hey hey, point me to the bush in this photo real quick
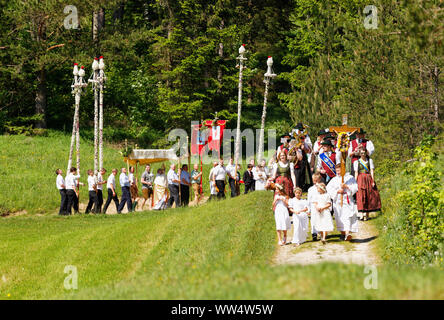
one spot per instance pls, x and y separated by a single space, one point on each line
414 228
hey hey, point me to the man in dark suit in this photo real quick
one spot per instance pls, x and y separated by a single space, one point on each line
248 179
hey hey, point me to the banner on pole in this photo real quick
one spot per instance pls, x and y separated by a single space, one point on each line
216 133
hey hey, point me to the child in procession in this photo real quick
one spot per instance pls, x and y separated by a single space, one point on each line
280 208
299 208
322 204
312 192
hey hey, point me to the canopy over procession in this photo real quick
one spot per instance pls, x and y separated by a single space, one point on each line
313 183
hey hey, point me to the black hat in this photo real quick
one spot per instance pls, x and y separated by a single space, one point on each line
362 131
329 136
299 126
327 143
287 136
321 132
353 136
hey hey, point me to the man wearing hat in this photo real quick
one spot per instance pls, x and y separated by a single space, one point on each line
327 161
358 144
317 149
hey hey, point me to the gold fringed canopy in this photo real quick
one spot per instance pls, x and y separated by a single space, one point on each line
148 156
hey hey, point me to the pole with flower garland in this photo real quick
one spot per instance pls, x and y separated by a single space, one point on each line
237 146
77 90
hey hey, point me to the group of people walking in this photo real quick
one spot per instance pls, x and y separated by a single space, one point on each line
298 166
326 192
69 190
159 191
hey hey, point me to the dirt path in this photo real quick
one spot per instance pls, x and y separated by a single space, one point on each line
360 250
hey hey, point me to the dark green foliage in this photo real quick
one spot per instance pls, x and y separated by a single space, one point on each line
168 62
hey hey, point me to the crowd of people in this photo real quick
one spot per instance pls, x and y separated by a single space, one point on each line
297 166
302 166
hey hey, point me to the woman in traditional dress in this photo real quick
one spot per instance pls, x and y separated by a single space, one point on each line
280 208
367 197
299 208
160 191
321 215
283 174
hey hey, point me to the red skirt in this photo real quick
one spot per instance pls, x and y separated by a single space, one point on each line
287 184
367 197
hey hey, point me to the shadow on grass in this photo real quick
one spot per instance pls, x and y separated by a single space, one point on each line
363 240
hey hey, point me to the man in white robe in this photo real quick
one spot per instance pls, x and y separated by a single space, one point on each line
345 215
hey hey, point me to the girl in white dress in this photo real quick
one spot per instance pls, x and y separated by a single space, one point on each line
280 205
323 220
299 207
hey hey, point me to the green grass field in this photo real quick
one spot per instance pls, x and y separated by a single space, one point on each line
219 250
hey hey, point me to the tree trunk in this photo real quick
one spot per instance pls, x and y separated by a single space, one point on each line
40 98
221 56
98 23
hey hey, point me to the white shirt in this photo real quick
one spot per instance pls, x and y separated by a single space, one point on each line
91 183
124 180
230 170
111 182
131 178
311 195
210 176
59 182
219 173
368 163
99 179
71 181
317 148
172 175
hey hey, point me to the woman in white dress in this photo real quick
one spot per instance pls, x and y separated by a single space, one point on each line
280 205
299 208
260 178
323 220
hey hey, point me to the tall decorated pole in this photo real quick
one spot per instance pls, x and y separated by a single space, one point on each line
101 79
76 110
241 59
94 76
268 76
77 87
82 84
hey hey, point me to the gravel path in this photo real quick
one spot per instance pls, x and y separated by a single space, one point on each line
360 250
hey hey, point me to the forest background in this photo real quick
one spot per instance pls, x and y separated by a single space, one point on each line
170 62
